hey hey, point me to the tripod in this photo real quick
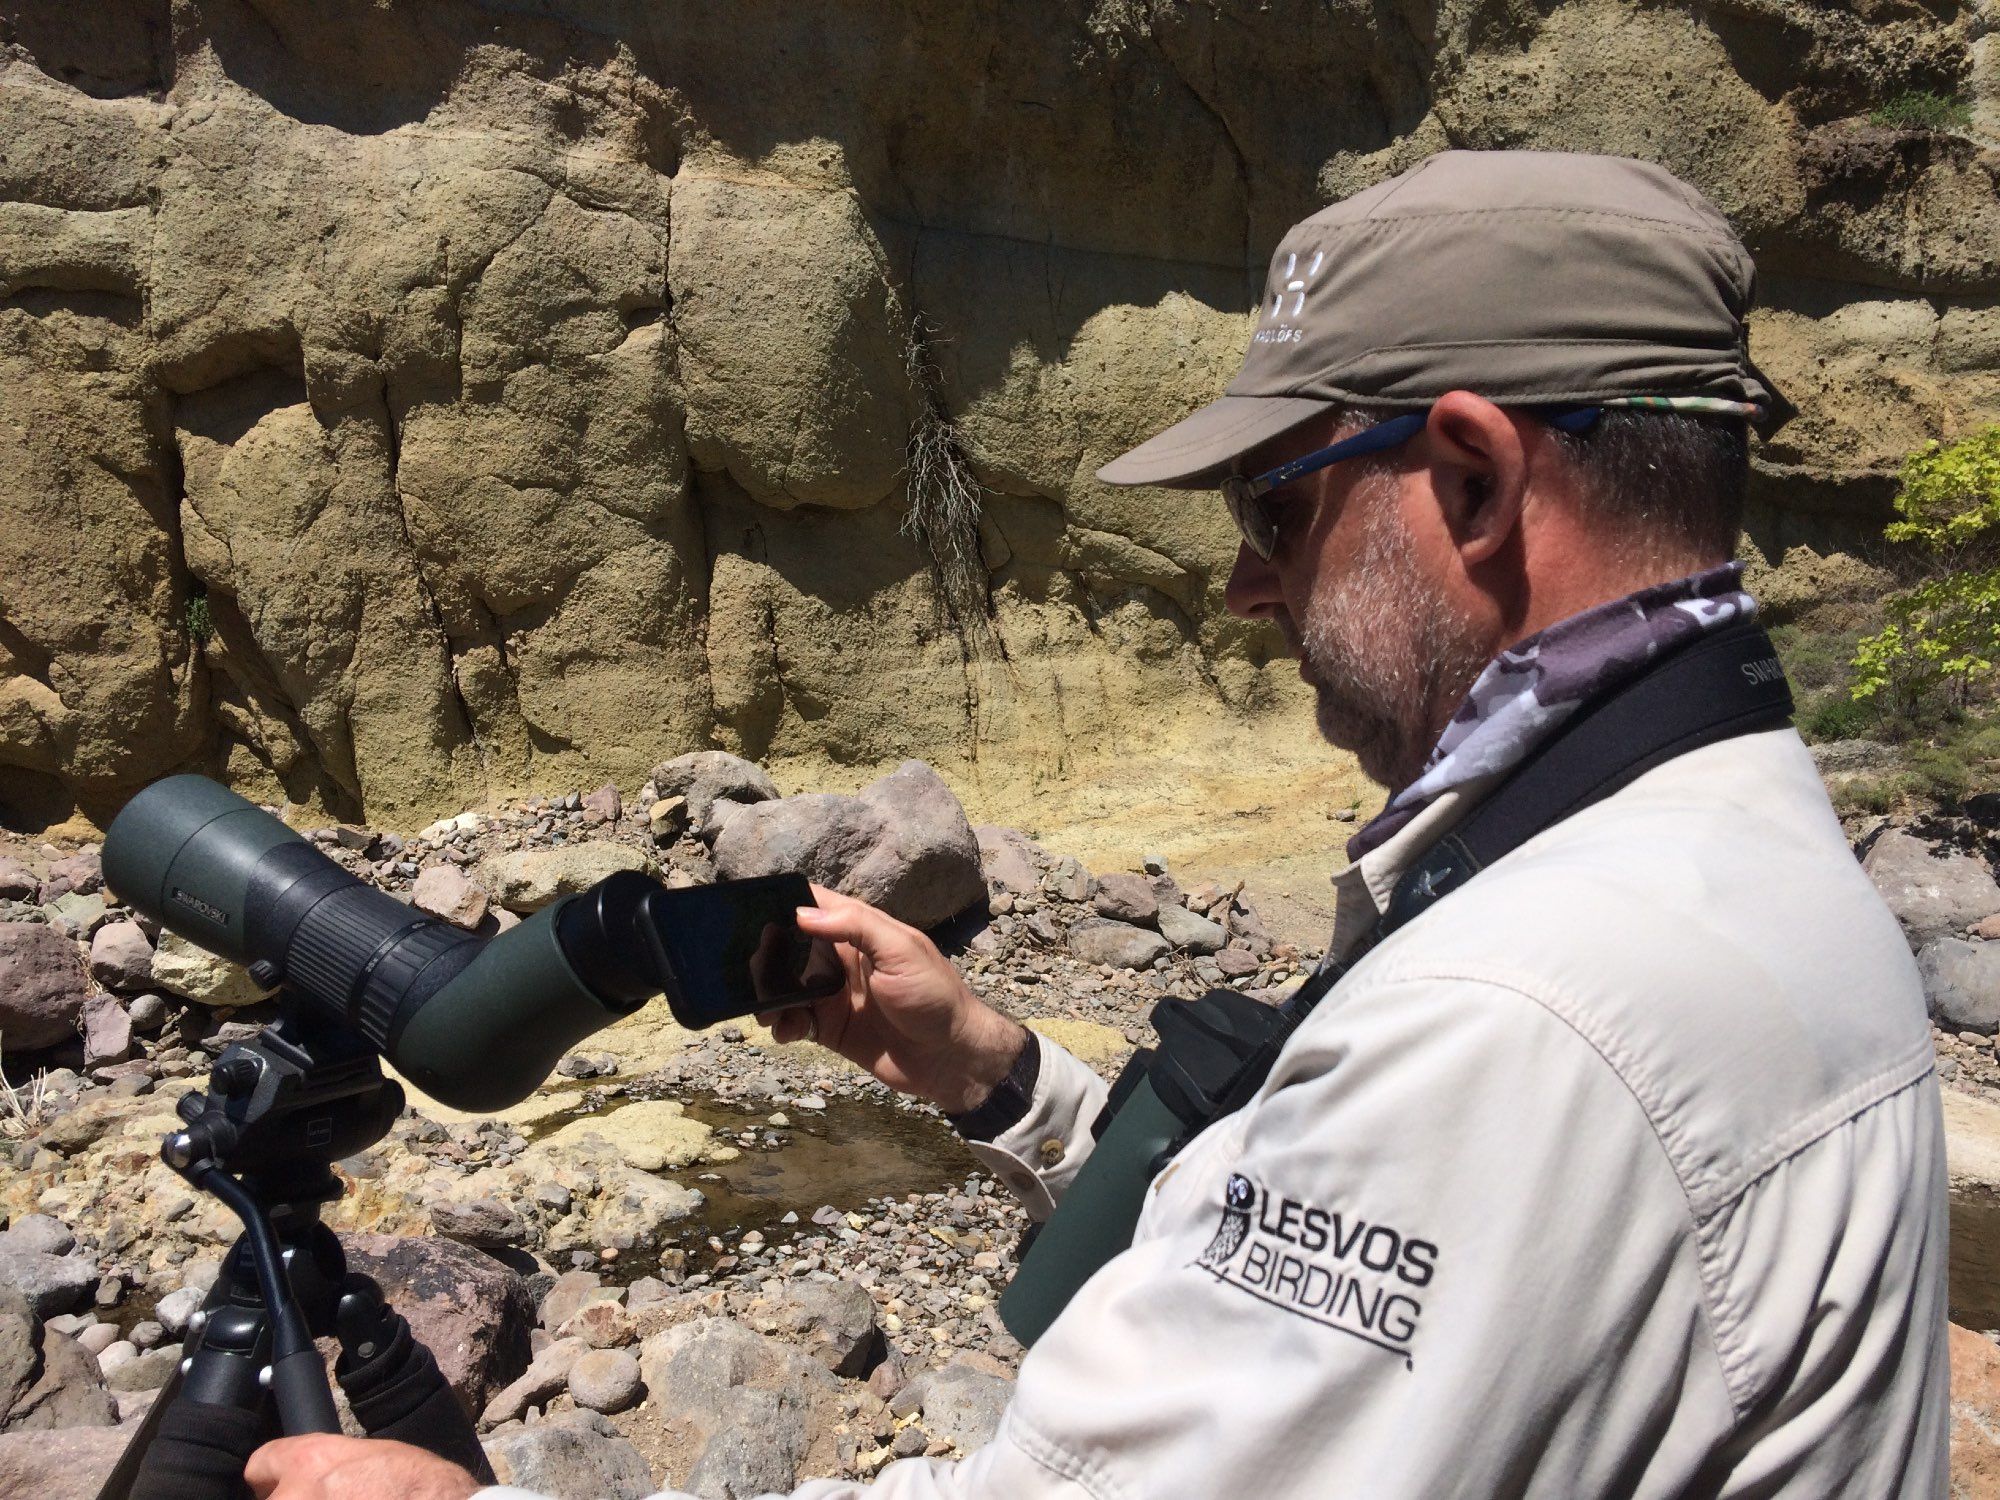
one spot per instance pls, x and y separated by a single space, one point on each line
279 1111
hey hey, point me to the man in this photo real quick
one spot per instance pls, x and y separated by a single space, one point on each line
1619 1171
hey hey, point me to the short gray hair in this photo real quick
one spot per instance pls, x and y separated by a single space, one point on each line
1674 480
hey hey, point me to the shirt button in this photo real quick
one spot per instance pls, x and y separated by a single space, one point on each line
1051 1152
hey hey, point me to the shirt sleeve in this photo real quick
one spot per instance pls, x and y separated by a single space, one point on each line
1443 1254
1039 1155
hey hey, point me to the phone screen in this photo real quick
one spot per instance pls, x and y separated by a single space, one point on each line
734 948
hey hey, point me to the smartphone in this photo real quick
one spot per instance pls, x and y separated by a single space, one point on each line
734 948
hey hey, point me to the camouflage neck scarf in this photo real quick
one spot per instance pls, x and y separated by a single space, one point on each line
1534 685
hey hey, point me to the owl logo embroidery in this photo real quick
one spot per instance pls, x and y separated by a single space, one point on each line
1238 1198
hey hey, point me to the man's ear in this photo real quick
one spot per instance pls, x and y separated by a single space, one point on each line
1479 473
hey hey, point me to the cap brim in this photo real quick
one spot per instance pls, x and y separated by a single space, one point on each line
1199 450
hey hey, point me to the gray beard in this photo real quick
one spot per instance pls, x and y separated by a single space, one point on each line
1385 654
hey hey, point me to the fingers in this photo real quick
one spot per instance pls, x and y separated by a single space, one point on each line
846 920
302 1461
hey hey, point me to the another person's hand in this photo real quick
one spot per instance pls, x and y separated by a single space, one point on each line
324 1466
905 1014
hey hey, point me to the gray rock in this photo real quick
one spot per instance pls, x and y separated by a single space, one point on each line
17 881
606 1380
51 1283
121 957
145 1372
147 1013
47 1379
98 1337
1962 984
902 843
709 776
479 1221
744 1396
173 1310
575 1455
107 1032
545 1378
1099 940
443 891
1184 929
758 1457
1932 894
147 1334
67 1464
1007 859
1127 898
115 1356
78 915
960 1404
82 872
39 1232
834 1321
571 1290
1068 880
42 986
1236 963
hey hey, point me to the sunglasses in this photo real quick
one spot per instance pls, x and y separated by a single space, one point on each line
1256 513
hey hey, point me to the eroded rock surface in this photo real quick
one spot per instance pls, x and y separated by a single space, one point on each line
532 395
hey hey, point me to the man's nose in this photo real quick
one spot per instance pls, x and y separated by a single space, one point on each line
1253 591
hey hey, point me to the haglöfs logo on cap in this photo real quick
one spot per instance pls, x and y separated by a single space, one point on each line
1288 300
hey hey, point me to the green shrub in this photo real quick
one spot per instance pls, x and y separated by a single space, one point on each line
1837 718
1942 636
200 623
1920 109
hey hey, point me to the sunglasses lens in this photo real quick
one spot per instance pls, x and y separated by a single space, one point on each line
1252 518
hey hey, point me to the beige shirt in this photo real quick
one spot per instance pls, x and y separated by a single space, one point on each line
1620 1172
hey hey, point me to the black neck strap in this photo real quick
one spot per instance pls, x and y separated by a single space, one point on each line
1726 684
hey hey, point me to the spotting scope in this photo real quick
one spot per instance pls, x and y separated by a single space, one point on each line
475 1022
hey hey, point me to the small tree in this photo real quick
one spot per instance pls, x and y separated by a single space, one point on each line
1943 635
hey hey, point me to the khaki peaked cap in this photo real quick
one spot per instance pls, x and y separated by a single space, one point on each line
1530 277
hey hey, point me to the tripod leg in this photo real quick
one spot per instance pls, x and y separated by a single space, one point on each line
213 1413
393 1383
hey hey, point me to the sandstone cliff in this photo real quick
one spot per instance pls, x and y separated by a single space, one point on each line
404 403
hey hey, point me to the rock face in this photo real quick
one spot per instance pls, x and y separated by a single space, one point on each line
534 390
46 1379
903 843
69 1464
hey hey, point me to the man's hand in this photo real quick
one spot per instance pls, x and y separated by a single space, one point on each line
322 1466
905 1014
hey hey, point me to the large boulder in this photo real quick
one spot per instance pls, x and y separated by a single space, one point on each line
472 1312
51 1283
737 1396
47 1379
576 1455
42 986
833 1321
710 776
1127 898
959 1403
902 843
1932 894
69 1463
1009 859
529 879
1962 984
